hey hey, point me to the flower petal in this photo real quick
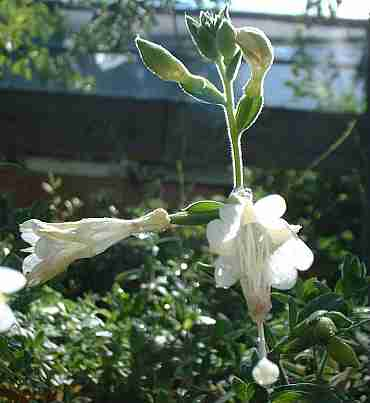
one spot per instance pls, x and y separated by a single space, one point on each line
270 207
300 253
283 275
293 255
11 280
226 274
7 318
265 372
220 236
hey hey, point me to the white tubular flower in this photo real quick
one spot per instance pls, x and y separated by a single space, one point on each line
10 281
257 247
265 373
54 246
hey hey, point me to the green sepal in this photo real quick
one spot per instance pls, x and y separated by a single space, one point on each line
198 213
247 112
161 62
203 206
185 218
233 67
203 90
225 41
342 352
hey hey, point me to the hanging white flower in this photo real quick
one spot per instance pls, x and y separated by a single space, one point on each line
258 248
261 250
54 246
11 281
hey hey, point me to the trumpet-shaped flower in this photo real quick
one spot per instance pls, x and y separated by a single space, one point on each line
54 246
261 250
258 248
10 281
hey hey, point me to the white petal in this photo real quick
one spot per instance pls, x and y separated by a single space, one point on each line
293 255
270 207
11 280
231 212
283 276
226 274
265 372
300 253
7 318
30 263
220 236
30 237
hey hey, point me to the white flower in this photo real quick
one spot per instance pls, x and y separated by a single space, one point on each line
258 248
54 246
10 281
265 372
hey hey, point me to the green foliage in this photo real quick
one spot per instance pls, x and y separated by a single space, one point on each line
143 322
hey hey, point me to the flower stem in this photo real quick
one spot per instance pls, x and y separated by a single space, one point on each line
261 340
232 129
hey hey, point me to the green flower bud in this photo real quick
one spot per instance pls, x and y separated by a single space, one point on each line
202 89
225 40
161 62
343 353
324 329
203 34
256 48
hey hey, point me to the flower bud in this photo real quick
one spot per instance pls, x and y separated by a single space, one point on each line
324 329
225 40
256 47
265 373
161 62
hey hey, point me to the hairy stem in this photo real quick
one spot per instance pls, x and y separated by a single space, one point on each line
232 129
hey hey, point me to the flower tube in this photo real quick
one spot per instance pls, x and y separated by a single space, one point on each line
54 246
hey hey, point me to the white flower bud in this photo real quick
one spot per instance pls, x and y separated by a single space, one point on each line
256 48
265 372
54 246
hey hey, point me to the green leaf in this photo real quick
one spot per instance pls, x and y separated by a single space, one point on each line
305 392
233 68
293 313
329 301
247 112
339 319
203 206
313 288
342 352
353 273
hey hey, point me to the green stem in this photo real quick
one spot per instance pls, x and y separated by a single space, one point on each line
233 134
322 365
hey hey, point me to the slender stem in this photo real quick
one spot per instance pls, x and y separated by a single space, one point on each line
234 138
261 340
322 365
